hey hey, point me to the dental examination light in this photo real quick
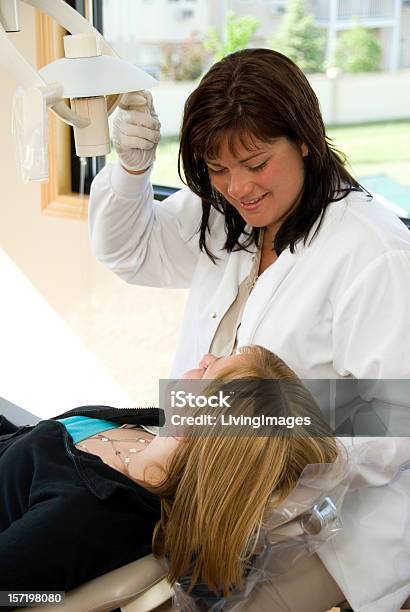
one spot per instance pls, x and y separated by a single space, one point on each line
91 75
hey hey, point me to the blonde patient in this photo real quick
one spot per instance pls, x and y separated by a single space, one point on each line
209 483
200 497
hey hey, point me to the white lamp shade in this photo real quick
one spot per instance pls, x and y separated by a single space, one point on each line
86 77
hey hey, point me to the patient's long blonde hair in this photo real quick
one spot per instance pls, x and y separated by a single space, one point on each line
218 487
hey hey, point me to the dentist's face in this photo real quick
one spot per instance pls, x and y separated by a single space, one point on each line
210 366
263 184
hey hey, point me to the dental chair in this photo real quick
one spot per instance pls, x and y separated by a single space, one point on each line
345 607
139 586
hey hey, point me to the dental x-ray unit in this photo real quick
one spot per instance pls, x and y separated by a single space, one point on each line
91 75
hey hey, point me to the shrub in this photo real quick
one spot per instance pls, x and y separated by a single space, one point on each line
358 50
300 39
238 31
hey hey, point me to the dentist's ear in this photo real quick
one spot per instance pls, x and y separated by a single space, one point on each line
304 149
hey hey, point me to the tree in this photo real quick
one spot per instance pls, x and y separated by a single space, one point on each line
238 30
358 50
182 61
300 39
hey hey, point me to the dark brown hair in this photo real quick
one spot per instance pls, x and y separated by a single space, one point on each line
259 94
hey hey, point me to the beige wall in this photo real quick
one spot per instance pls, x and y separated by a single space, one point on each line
110 317
360 98
353 98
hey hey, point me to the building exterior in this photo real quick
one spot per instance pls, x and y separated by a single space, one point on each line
142 29
383 16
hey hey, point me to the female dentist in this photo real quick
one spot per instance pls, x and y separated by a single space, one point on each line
278 243
279 246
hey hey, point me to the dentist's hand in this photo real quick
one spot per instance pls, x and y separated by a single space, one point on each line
136 131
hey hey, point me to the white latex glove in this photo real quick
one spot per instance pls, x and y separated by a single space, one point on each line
136 130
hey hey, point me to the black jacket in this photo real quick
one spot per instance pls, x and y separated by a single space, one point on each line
74 517
92 471
103 484
148 416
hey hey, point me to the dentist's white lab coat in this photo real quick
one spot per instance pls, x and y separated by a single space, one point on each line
338 307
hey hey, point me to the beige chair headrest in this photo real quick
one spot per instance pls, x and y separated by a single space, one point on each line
111 590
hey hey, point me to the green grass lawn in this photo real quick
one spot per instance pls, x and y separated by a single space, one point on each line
371 148
376 148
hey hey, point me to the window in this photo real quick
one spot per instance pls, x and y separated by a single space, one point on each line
169 49
359 119
375 144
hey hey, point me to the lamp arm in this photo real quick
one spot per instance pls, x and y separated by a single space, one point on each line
16 65
24 73
31 100
74 23
70 19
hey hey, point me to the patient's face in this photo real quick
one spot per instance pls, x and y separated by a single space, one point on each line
210 366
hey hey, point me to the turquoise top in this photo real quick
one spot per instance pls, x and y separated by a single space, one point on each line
81 427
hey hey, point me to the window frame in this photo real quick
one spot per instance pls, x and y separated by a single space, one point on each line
57 197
